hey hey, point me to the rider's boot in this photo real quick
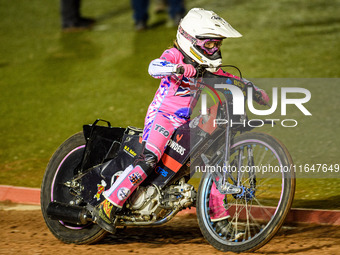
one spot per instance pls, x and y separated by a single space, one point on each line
219 215
218 206
125 185
130 179
122 188
103 215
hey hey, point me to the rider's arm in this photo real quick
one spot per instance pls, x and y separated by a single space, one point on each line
160 68
167 65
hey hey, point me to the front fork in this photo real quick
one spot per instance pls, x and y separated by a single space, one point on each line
220 177
236 186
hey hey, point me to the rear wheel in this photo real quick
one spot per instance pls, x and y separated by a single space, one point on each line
261 166
61 169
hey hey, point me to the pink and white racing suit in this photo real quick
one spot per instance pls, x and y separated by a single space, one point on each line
169 109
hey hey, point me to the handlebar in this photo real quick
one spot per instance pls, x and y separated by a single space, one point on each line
200 70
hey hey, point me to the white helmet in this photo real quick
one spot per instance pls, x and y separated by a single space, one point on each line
197 28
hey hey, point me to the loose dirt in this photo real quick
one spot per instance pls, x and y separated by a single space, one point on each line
24 232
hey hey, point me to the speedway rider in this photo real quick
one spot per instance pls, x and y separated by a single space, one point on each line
199 38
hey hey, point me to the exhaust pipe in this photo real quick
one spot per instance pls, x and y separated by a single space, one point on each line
68 213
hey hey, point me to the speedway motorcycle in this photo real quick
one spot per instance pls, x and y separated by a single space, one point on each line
217 152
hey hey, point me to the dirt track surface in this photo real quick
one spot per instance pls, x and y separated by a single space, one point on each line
24 232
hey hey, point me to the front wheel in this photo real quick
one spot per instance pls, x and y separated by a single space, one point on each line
61 169
261 166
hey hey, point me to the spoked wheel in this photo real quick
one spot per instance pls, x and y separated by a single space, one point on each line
262 167
61 169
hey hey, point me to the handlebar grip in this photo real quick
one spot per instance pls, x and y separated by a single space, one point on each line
180 70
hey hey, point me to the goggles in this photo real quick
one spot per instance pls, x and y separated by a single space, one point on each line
210 46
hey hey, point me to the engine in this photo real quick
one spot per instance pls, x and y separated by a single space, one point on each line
151 203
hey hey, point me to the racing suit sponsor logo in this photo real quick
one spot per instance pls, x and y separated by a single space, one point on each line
176 147
179 137
161 171
162 130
